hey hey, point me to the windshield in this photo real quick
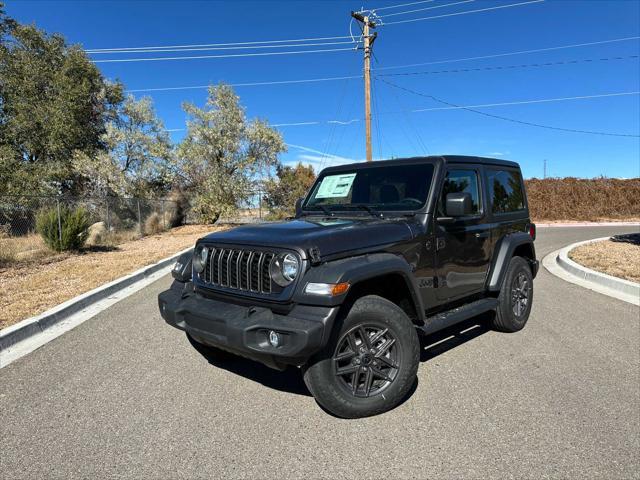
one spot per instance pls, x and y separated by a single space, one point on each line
401 187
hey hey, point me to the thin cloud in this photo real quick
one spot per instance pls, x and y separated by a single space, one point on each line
347 122
317 158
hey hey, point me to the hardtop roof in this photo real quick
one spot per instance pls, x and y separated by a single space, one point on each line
428 159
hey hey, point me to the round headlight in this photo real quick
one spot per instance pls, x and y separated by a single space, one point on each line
285 269
200 258
290 267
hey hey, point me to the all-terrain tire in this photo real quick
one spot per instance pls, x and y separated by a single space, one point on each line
517 286
387 339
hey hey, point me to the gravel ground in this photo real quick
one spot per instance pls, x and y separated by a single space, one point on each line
33 288
613 258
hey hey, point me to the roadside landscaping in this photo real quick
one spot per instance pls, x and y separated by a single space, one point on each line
44 281
619 257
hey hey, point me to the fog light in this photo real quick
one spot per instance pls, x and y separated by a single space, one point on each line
274 339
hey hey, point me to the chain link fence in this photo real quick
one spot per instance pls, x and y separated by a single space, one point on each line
113 220
250 210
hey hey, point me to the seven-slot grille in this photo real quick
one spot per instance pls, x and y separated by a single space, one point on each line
245 270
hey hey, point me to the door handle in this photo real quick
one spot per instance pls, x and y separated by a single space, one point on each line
482 235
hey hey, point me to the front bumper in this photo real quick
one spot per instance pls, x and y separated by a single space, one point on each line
245 330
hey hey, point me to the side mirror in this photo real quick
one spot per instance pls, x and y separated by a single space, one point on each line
299 206
459 204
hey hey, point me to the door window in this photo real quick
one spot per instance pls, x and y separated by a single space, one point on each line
458 181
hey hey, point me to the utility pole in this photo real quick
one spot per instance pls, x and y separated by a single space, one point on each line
545 169
368 43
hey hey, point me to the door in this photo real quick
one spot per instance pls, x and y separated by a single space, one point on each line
463 244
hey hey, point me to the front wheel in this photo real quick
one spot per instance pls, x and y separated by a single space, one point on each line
370 365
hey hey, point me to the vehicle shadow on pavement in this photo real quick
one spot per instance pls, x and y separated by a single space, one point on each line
289 380
441 342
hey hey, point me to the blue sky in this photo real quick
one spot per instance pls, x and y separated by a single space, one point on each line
399 130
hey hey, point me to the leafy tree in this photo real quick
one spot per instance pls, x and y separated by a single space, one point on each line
223 154
53 103
282 192
137 161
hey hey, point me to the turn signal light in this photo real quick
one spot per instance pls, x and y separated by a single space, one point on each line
328 289
339 288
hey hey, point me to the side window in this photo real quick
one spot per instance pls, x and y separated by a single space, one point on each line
506 190
460 181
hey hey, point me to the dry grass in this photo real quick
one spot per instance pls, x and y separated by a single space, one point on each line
26 291
23 249
613 258
596 199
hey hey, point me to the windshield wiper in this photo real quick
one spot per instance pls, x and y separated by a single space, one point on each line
363 206
326 210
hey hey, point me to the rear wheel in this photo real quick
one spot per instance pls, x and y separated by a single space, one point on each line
370 365
516 297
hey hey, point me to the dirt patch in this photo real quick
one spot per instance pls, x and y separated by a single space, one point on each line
31 288
618 258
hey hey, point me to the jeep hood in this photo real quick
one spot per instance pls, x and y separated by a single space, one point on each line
331 236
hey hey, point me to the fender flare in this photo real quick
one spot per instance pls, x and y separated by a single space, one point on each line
502 256
182 268
355 270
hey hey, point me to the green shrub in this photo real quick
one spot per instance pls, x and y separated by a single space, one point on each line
74 225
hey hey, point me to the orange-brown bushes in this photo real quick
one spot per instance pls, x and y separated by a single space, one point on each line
583 199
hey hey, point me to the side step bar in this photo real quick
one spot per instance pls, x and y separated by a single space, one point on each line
446 319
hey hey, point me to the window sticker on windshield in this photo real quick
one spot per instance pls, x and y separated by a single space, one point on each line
335 186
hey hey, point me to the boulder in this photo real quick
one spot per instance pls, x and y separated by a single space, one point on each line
97 234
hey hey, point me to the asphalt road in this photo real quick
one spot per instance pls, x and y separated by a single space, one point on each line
124 395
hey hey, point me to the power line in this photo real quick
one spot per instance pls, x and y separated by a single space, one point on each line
511 67
526 102
425 8
416 139
520 52
376 117
462 107
351 77
119 49
463 13
499 117
249 84
235 55
333 127
248 47
400 5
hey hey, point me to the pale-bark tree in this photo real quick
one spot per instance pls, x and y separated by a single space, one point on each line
223 155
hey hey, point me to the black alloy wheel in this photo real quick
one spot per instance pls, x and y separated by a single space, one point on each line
367 360
520 294
370 363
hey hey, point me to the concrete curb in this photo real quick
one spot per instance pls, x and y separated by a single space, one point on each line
587 224
37 325
559 264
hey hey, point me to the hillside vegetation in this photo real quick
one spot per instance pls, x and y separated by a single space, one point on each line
584 199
